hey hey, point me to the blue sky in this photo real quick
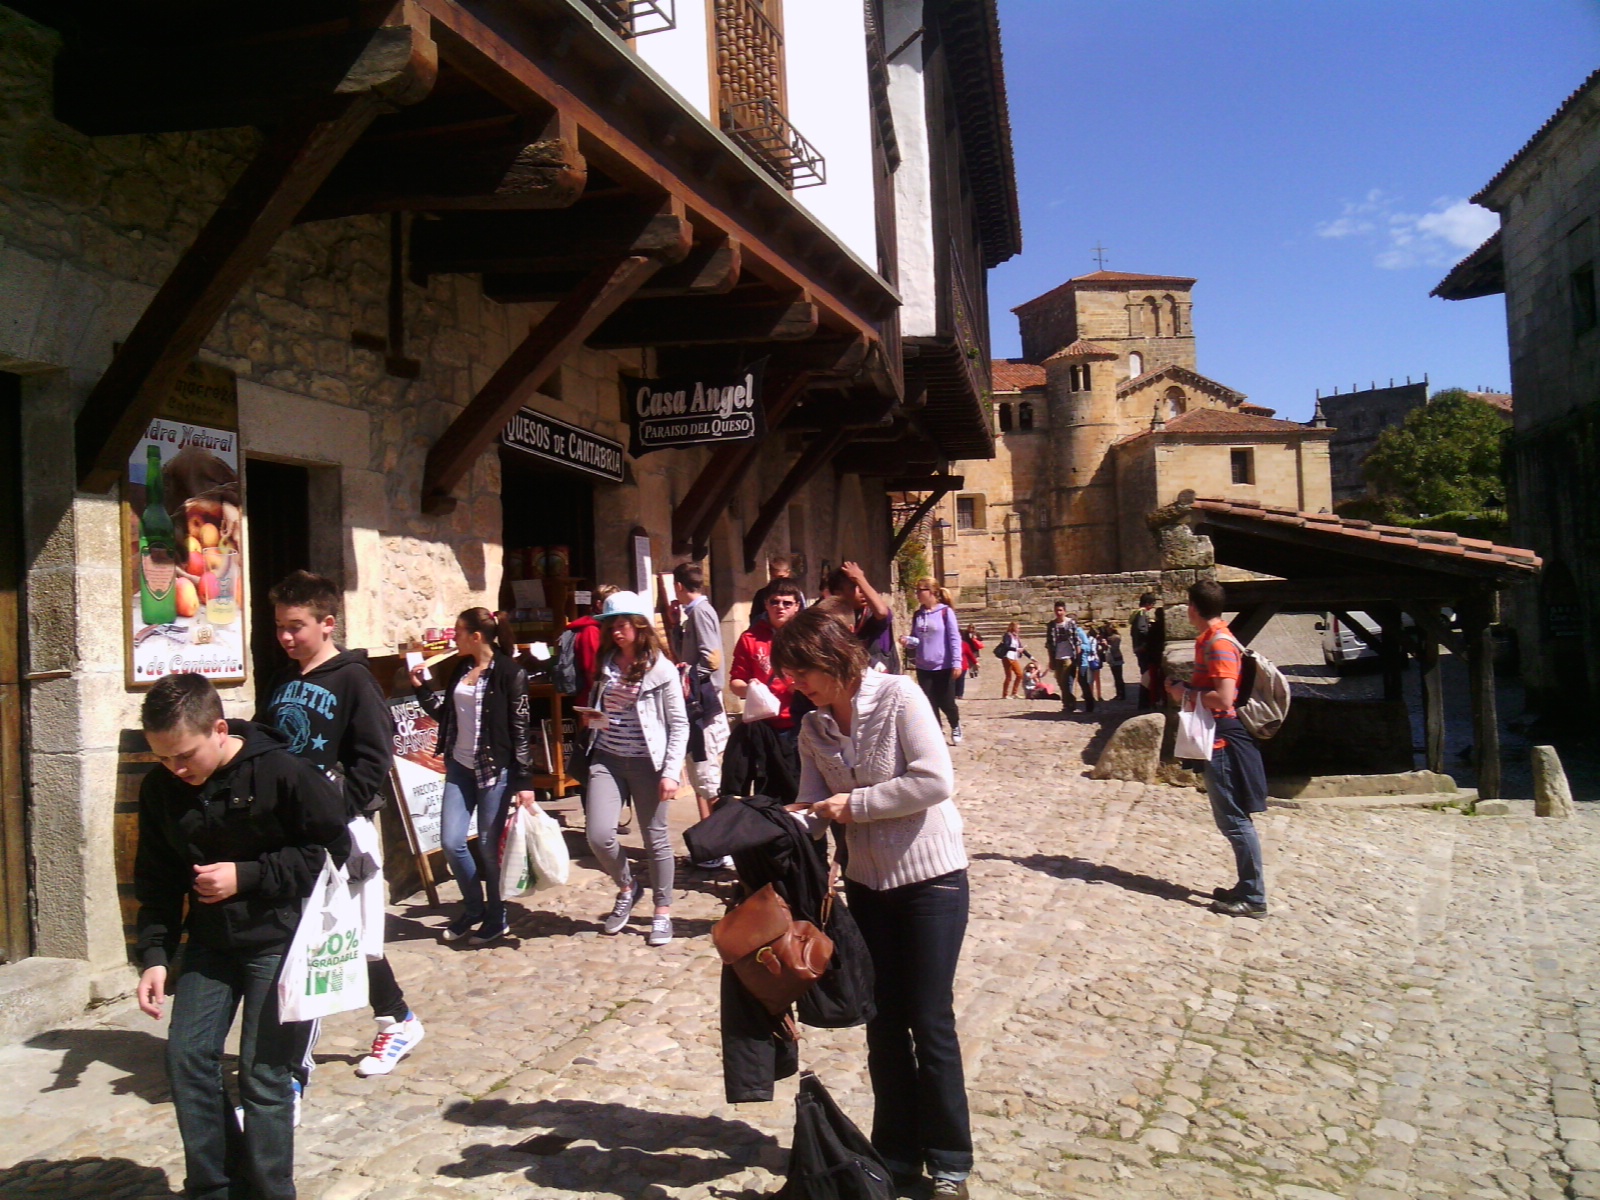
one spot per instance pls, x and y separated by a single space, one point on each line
1306 160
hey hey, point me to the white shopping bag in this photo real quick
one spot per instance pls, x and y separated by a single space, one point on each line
324 970
516 871
366 848
1197 730
547 848
760 703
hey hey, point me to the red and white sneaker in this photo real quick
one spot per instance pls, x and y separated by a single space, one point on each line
395 1040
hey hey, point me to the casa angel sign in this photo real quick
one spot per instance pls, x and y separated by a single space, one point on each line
665 414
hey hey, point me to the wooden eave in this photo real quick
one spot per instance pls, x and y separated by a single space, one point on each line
1481 273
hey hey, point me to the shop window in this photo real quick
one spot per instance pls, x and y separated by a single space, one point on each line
970 513
1243 462
1025 415
1005 418
1584 309
280 542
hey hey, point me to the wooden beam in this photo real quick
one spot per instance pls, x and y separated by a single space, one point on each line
489 166
561 332
1432 622
1369 638
287 169
711 268
169 83
941 489
1476 620
916 483
805 468
1325 595
1391 654
715 321
572 239
1248 623
1427 621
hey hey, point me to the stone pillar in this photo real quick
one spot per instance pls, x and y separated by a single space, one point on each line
1552 796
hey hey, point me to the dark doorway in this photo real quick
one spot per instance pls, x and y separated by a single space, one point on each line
546 506
14 915
278 499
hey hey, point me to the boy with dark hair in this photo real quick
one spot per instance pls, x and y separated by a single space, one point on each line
328 705
1147 651
236 825
1236 783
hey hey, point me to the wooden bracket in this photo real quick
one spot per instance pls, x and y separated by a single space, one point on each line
561 332
289 167
815 457
713 321
942 487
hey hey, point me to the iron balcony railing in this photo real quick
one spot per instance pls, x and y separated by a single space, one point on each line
637 18
766 134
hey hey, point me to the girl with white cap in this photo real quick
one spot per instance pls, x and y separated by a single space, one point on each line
641 730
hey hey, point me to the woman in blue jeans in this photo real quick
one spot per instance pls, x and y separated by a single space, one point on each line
483 738
873 760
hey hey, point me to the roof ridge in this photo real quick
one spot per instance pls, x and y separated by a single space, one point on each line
1538 136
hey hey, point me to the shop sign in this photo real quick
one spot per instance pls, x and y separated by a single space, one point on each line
556 441
418 771
692 411
183 546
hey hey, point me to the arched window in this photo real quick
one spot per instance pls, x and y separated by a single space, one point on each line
1005 418
1154 307
1177 402
1135 365
1024 415
1174 316
1086 384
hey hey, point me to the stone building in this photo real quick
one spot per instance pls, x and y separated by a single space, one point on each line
1543 260
1358 418
1105 418
435 259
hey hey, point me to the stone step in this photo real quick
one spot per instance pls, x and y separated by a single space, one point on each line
1463 798
1402 783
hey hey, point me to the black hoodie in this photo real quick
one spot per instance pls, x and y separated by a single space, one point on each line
270 813
336 715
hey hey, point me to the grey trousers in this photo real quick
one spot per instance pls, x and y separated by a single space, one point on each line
612 779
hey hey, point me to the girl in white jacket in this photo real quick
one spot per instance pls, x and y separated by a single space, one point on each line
641 732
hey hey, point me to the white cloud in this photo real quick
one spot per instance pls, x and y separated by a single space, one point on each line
1436 238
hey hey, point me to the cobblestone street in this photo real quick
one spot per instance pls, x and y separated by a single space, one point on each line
1416 1018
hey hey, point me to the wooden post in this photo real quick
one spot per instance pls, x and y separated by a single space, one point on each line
816 456
14 916
1475 620
1392 654
1432 703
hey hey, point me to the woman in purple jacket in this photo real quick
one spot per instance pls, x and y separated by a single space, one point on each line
935 646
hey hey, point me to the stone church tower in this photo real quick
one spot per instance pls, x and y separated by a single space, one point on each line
1094 336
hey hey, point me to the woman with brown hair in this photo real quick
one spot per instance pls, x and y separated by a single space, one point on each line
1011 652
873 760
641 730
483 738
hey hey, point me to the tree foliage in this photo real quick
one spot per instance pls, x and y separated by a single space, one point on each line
1446 457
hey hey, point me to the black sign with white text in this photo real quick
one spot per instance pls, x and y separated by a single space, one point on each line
666 413
547 438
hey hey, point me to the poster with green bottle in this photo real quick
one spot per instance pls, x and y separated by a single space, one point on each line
182 521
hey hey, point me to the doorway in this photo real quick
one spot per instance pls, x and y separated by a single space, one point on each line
15 919
546 506
278 496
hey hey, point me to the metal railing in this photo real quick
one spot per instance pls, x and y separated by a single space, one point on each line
637 18
766 134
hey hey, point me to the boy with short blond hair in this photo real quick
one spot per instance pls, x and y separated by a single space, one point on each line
236 826
326 702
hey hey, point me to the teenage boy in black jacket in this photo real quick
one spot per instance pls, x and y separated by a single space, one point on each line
329 706
238 827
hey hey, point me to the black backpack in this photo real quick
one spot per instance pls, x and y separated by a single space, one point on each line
831 1159
564 664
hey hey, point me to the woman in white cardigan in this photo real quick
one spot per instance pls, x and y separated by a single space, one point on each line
637 753
873 759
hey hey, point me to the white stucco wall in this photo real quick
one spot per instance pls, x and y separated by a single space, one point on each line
825 44
913 186
682 56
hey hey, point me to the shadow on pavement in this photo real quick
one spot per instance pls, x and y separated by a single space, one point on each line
141 1055
1066 867
85 1177
631 1151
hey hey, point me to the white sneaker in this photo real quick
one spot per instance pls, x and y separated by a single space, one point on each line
955 735
395 1040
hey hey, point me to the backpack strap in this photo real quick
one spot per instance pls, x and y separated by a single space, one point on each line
1247 669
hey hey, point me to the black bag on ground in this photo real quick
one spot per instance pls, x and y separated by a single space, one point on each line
831 1159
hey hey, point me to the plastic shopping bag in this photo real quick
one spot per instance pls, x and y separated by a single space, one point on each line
516 870
760 703
547 848
1197 730
324 969
364 870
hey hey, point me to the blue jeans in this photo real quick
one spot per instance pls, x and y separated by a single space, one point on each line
1232 815
219 1160
479 873
919 1092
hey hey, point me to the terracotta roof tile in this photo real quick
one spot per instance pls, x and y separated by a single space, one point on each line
1539 135
1219 420
1014 375
1083 349
1102 278
1426 542
1497 400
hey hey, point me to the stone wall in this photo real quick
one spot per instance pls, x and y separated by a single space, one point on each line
1032 600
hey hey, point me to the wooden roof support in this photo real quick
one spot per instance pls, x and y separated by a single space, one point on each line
942 486
1477 618
572 239
289 167
562 331
712 268
805 468
714 321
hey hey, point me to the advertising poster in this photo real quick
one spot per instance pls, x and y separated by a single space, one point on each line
183 555
418 771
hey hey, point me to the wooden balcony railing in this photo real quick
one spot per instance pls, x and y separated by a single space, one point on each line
637 18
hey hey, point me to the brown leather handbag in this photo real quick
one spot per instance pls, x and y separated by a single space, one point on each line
777 958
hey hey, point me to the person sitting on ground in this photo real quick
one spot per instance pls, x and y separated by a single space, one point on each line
640 739
872 761
1236 783
1036 685
234 829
